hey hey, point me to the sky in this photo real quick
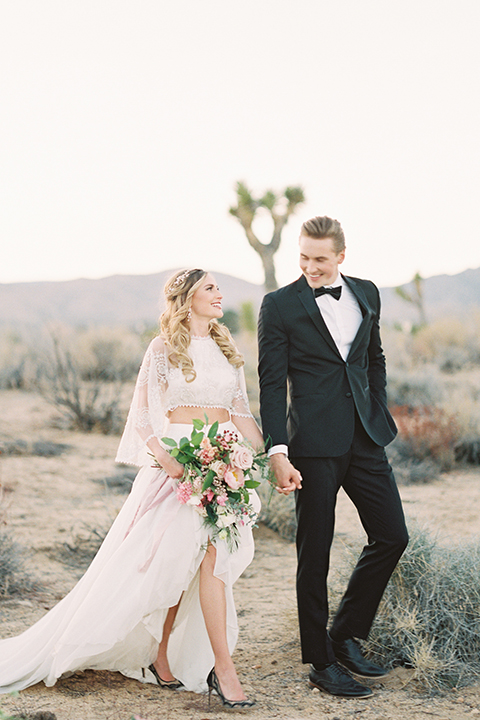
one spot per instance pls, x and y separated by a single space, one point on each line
125 125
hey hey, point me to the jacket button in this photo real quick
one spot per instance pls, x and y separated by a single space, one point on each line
348 394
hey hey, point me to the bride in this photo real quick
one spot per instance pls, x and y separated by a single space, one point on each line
156 603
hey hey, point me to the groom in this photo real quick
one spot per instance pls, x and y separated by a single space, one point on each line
320 336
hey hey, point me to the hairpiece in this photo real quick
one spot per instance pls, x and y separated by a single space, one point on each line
182 277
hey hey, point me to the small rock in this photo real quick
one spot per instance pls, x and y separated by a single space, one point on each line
257 667
315 690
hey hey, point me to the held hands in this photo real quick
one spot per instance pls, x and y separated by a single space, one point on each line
288 478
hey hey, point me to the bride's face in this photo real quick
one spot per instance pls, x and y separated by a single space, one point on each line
207 300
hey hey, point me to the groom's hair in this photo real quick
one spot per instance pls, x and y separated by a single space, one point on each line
321 227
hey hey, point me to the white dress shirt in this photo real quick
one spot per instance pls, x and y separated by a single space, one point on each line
342 318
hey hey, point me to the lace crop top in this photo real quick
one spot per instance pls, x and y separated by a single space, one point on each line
161 388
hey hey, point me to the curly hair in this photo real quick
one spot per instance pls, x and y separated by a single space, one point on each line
179 291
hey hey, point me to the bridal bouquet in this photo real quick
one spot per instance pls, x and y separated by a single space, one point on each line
217 478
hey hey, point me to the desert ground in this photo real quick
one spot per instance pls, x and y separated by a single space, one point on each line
57 506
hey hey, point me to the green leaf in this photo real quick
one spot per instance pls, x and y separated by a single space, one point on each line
169 441
235 495
209 477
251 483
196 438
184 441
175 452
211 513
213 430
183 458
198 424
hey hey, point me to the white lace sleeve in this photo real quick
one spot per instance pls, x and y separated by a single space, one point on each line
240 406
146 416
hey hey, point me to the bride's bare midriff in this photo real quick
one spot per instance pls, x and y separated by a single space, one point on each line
187 414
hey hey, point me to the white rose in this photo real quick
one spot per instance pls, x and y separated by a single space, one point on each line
226 520
218 468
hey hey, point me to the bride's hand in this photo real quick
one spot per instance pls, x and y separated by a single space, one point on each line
171 466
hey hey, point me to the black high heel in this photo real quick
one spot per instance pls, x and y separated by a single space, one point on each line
213 684
170 684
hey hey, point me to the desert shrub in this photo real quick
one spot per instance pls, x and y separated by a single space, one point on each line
13 578
84 405
429 617
41 448
278 511
423 386
426 433
18 367
82 548
107 354
451 343
410 471
468 451
230 319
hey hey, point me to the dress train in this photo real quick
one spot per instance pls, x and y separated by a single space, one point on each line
113 618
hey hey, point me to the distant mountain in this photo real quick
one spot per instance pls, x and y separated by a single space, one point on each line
444 295
135 300
132 300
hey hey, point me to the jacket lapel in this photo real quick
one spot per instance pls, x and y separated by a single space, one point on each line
367 313
307 298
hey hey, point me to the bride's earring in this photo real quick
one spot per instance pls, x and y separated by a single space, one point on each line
189 315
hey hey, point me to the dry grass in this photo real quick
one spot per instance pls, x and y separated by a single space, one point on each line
13 578
429 617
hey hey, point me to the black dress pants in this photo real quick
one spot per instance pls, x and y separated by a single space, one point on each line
367 478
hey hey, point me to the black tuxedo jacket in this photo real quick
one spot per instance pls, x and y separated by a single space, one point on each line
316 417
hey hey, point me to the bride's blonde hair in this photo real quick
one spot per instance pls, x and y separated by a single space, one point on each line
179 291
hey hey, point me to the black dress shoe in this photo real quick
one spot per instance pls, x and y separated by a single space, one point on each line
336 681
349 654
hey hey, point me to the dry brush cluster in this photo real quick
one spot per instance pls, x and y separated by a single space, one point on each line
429 618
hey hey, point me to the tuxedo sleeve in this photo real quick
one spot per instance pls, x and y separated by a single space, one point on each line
377 369
272 370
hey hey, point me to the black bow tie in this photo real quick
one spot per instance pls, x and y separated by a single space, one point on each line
335 292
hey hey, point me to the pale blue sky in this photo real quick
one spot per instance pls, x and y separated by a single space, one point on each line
124 126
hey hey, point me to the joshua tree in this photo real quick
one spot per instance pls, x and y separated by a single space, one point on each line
280 211
416 298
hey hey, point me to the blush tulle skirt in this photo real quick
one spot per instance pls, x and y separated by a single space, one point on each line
113 618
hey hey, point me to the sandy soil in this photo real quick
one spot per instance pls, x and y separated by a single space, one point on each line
56 505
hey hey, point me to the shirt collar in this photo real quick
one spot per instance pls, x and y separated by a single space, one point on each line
338 282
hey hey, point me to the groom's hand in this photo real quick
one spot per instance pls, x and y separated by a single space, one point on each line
288 478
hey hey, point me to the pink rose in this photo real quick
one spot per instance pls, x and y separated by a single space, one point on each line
221 500
241 457
234 478
210 495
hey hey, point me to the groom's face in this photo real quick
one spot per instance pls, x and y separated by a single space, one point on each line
318 260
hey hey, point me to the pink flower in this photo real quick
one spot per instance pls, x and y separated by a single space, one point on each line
221 500
241 457
234 478
184 492
207 452
210 495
